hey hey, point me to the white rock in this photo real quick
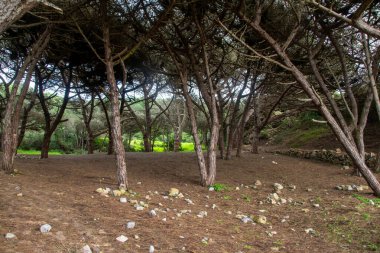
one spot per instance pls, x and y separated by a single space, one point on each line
122 238
211 189
86 249
283 201
246 219
131 224
10 236
151 249
316 205
310 231
164 219
152 213
189 201
213 206
274 162
137 237
139 208
123 200
138 182
278 186
19 194
258 183
202 214
45 228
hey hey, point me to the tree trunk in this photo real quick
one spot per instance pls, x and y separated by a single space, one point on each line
147 142
350 148
46 144
255 140
377 165
177 140
12 10
115 113
14 105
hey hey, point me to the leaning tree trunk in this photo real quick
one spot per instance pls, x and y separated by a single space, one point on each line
348 145
115 114
14 105
377 165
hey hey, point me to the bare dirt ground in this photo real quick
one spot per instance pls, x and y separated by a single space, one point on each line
61 191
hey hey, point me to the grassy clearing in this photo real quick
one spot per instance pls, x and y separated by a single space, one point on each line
36 152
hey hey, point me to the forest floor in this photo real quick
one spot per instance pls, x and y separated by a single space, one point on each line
60 191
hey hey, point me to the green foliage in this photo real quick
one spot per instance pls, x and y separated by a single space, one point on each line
299 131
37 152
219 187
370 201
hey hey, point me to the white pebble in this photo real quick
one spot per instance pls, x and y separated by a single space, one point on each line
86 249
151 249
122 238
10 236
131 224
123 200
45 228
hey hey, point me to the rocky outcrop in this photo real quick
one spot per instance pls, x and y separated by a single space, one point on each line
331 156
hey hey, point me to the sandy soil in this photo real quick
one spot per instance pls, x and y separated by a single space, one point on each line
61 191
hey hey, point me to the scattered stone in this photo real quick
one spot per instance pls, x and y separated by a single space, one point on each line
205 240
103 191
117 193
305 210
152 213
261 219
229 212
275 249
353 187
237 188
164 219
131 224
246 219
123 200
316 205
202 214
139 208
271 233
136 237
211 189
45 228
345 167
213 206
151 249
86 249
173 192
122 238
278 187
338 151
292 187
310 231
138 182
19 194
274 162
10 236
189 201
258 183
309 190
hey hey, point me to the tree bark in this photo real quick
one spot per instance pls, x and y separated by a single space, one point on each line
51 125
350 148
121 166
14 105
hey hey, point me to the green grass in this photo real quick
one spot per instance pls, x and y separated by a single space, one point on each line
37 152
375 201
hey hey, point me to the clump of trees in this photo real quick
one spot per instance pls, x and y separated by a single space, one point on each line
222 69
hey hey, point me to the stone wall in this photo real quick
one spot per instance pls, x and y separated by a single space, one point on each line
331 156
